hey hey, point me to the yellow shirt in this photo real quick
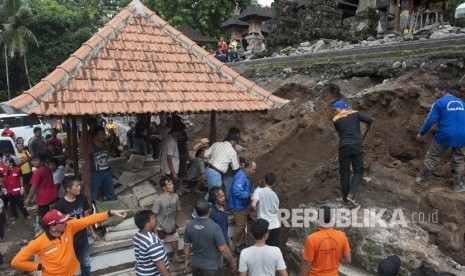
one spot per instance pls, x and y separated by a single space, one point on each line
57 256
111 126
26 167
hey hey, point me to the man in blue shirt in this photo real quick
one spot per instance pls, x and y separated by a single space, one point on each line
239 202
448 112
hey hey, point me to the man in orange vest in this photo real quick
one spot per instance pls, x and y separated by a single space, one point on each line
55 246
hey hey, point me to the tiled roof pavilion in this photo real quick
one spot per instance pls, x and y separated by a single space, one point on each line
138 63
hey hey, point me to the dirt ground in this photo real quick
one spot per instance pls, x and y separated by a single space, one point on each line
299 144
17 234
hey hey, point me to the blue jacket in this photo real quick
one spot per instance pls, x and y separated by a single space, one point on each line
241 189
449 113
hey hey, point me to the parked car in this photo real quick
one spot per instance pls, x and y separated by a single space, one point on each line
7 142
23 125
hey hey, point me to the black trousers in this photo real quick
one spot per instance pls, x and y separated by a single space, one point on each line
17 201
350 155
273 237
206 272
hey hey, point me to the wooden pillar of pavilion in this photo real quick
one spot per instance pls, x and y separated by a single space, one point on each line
69 142
212 135
443 11
74 139
386 29
410 7
397 16
85 158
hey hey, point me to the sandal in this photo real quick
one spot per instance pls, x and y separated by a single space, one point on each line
352 202
178 260
341 200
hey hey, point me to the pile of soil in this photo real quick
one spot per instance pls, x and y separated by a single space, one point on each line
299 144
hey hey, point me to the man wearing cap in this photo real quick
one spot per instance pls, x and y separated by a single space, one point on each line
448 112
55 247
347 124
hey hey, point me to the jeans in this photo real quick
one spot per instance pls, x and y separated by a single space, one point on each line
139 146
213 178
350 154
83 256
227 185
105 180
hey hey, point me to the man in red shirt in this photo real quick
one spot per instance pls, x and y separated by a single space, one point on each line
222 45
8 132
54 139
42 182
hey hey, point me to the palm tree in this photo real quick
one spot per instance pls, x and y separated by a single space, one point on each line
16 36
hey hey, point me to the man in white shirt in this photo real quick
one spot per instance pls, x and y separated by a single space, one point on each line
261 259
266 202
220 156
170 155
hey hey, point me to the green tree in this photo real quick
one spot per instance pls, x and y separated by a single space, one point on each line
17 37
205 16
450 13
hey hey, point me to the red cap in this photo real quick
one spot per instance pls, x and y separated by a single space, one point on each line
53 217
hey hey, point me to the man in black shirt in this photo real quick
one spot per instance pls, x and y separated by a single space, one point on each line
130 136
76 206
347 124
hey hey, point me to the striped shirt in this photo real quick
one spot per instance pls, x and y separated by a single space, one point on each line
148 249
221 154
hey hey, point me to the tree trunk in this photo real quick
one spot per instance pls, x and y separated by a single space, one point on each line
27 70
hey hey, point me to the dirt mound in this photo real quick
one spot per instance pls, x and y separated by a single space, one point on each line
299 144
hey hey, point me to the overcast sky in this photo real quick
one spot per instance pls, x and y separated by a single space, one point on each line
265 2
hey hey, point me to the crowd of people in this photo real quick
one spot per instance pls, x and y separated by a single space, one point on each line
227 53
223 175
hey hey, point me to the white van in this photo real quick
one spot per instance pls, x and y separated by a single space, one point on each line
23 125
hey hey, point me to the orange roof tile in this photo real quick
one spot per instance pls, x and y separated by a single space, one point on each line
138 63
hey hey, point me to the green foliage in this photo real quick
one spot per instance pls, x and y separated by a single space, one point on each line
205 16
450 13
62 31
51 30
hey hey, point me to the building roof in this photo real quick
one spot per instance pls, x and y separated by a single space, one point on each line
255 11
195 35
138 63
234 22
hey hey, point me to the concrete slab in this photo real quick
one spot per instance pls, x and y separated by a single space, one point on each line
147 201
141 176
130 200
143 189
136 161
116 160
127 177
